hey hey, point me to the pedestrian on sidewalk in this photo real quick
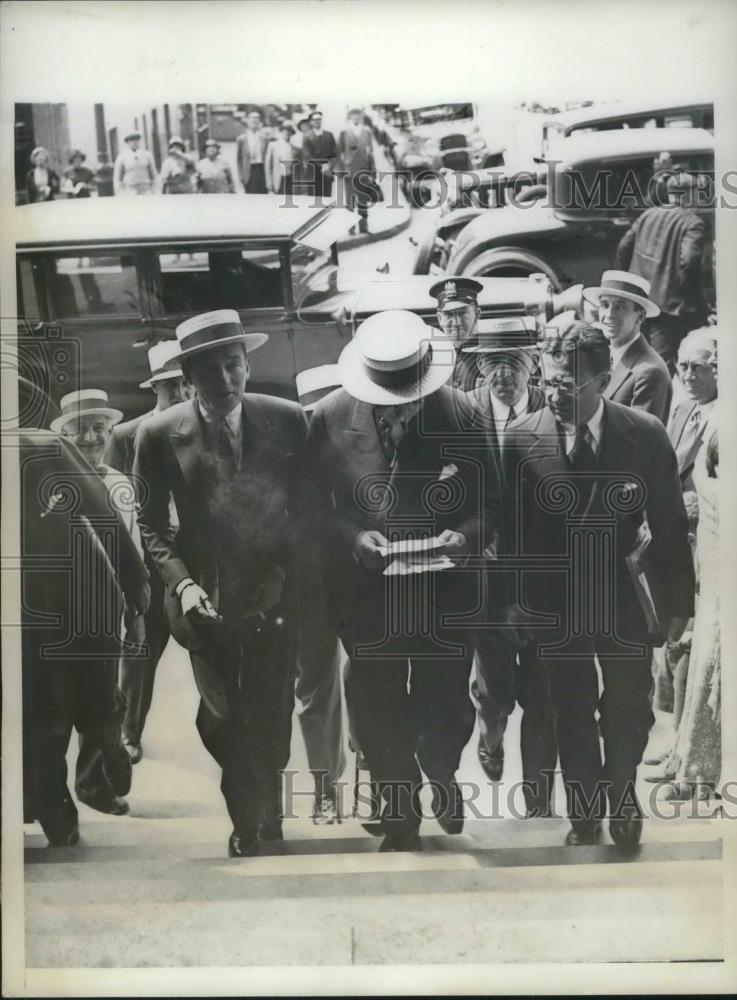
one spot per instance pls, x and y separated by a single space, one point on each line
358 167
214 175
320 153
134 172
177 170
281 160
251 148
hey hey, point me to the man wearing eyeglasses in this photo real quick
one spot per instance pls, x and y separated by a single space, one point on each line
580 478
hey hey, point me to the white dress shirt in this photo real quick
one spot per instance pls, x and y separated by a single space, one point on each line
501 410
617 352
254 147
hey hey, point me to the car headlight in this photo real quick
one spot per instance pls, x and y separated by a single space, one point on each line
478 142
431 147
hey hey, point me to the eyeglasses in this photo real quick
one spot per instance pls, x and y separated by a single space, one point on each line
565 386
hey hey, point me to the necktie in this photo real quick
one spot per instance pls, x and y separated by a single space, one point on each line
582 456
510 417
390 434
226 447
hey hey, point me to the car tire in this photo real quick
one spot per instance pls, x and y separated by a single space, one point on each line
509 262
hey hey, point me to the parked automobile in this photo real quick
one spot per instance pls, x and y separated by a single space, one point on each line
106 275
436 137
571 231
623 115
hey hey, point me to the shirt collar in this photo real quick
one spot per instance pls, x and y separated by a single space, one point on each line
617 352
233 419
705 409
501 410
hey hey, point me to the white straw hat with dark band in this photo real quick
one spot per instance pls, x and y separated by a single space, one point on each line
314 383
395 357
163 360
215 329
626 285
85 402
515 333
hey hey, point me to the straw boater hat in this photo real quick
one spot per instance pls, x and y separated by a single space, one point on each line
85 402
215 329
314 383
518 333
163 359
626 285
395 358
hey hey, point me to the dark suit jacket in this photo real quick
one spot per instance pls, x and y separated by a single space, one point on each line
77 557
34 194
636 476
231 533
121 448
319 148
665 245
641 379
686 451
347 473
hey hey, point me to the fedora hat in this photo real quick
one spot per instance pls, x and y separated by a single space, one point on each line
314 383
85 402
395 357
517 333
626 285
163 360
215 329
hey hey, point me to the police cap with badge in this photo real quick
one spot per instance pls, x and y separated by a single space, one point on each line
455 293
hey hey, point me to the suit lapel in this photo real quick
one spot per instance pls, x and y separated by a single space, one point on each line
362 437
681 416
188 441
624 369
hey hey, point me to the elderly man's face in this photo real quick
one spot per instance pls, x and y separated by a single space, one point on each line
219 377
507 373
697 374
620 319
170 391
459 324
90 433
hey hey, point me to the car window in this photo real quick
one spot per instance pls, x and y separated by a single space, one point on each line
199 281
91 285
27 300
678 121
307 262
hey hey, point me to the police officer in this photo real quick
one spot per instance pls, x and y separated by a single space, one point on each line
458 318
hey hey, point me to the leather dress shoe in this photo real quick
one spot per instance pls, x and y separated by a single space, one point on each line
626 831
407 841
664 774
111 804
327 810
492 761
118 769
654 759
447 806
242 845
133 749
579 836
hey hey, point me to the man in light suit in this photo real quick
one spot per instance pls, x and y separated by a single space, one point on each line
580 477
251 155
356 148
639 376
505 354
233 464
690 416
378 453
137 673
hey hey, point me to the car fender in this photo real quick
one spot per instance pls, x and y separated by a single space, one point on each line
509 226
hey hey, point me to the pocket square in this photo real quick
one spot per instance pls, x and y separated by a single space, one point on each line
448 470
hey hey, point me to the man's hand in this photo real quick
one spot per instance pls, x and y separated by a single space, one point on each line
140 601
453 543
135 633
366 547
196 605
676 628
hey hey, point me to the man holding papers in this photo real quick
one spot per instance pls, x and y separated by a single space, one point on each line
396 504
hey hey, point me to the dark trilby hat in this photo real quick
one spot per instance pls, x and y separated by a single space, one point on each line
455 293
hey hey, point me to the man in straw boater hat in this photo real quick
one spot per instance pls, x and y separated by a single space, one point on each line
506 353
169 386
378 475
103 767
233 464
458 317
639 375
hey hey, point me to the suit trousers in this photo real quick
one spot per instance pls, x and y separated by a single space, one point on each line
318 690
625 720
256 183
409 713
137 673
57 698
502 678
245 677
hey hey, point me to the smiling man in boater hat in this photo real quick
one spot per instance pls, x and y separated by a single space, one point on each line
233 464
378 473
